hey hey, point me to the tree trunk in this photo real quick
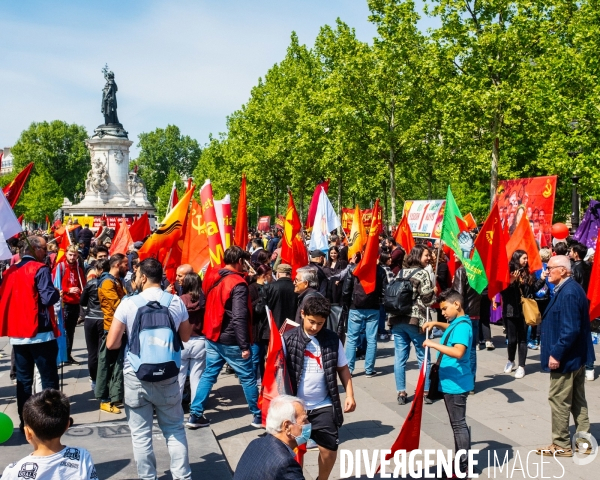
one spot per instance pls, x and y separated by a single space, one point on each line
392 166
494 169
339 199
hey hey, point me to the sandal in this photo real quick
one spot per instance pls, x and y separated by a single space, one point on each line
554 450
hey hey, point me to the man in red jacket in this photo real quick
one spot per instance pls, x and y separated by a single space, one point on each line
227 331
72 283
27 298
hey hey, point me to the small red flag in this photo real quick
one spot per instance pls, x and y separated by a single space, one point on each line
140 228
523 239
291 228
13 190
314 203
122 240
366 270
404 235
593 293
492 250
470 221
410 434
241 220
195 242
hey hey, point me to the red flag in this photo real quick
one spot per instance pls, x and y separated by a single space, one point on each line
505 232
312 209
195 243
13 190
470 221
366 270
492 250
122 240
404 235
410 434
241 220
593 293
140 228
215 245
173 199
276 380
523 239
20 219
65 241
189 183
293 251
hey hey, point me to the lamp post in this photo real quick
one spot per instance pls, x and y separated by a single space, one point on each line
574 204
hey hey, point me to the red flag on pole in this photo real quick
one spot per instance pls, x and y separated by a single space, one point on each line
195 243
122 240
404 235
410 434
140 228
215 245
366 270
292 247
470 221
241 220
593 293
13 190
492 250
312 209
523 239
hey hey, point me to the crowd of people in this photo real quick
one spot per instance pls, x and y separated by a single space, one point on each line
155 346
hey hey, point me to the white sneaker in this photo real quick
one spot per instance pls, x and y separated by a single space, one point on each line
510 366
589 375
93 385
520 373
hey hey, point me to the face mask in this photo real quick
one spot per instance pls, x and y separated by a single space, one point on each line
305 435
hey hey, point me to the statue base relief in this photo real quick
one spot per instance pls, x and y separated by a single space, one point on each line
111 188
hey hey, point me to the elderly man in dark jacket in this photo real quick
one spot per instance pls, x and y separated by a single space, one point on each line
305 286
271 457
566 348
280 296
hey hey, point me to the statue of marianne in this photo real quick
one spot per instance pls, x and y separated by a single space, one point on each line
109 98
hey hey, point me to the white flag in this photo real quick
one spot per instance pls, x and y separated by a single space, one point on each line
5 253
9 224
325 221
219 211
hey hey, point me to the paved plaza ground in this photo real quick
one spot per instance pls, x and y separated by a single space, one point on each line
506 416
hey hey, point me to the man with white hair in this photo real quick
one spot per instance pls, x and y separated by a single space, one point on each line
271 457
566 348
305 286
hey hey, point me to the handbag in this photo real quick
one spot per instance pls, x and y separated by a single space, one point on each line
434 392
531 311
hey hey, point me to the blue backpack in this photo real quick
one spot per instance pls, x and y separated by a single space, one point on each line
154 346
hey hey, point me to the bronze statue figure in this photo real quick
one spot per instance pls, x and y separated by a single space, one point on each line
109 98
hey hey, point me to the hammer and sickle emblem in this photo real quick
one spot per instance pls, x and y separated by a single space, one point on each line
199 225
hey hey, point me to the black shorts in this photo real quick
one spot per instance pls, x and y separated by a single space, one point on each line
324 431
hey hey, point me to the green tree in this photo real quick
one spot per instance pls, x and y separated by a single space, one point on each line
42 196
164 150
60 149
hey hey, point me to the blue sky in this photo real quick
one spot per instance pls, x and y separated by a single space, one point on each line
188 63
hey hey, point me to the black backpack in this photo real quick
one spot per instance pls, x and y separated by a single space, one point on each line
399 294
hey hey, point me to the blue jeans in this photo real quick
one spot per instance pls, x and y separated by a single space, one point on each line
356 320
256 350
382 318
216 356
404 334
474 346
141 398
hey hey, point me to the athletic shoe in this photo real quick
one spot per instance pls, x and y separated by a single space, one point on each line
195 422
510 366
109 407
311 445
489 345
427 400
401 399
228 370
257 421
589 375
520 373
372 374
93 385
532 346
481 345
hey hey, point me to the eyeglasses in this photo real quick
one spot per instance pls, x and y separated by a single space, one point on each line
550 268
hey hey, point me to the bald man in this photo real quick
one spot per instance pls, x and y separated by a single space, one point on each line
181 272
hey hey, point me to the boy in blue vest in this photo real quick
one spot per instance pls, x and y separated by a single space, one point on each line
456 379
315 358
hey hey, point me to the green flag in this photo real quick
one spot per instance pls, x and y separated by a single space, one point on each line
455 234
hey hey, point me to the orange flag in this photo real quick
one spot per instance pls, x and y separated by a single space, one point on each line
65 241
122 240
366 270
404 235
593 293
358 234
241 220
195 243
13 190
523 239
491 246
215 245
140 228
168 232
470 221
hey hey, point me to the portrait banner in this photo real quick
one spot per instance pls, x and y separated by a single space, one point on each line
425 217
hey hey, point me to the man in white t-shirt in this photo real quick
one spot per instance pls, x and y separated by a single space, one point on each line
142 397
315 359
